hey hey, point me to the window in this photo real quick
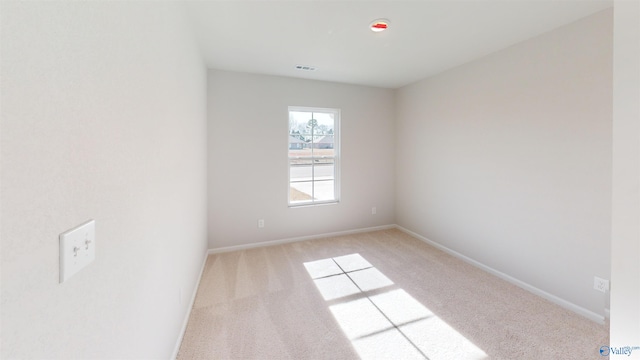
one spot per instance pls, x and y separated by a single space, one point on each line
314 149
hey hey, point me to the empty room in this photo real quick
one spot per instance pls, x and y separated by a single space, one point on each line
320 179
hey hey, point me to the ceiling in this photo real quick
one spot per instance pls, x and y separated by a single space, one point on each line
424 38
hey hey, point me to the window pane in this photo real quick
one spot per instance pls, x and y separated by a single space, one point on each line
324 146
301 192
324 169
300 122
305 151
297 142
324 123
324 190
300 170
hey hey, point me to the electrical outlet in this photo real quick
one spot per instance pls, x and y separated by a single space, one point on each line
374 211
260 223
599 284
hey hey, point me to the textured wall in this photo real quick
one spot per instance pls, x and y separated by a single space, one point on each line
507 160
248 124
103 117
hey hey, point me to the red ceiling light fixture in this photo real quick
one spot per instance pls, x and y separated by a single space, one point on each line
379 25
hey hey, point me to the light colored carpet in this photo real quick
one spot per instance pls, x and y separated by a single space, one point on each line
380 295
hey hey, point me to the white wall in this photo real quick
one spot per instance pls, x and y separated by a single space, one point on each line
248 122
625 239
507 160
103 117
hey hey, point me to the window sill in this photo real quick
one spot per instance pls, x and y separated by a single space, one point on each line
318 203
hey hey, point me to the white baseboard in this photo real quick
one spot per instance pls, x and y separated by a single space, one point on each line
188 314
296 239
559 301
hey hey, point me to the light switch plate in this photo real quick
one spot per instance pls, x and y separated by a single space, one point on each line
77 249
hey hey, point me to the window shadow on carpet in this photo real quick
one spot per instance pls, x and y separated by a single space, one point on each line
382 320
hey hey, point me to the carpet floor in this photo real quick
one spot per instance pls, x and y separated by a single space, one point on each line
376 295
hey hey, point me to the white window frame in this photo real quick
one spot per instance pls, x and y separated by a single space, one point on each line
336 158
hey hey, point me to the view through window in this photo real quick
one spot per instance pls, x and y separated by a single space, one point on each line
313 155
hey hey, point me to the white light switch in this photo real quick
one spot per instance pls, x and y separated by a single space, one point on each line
77 249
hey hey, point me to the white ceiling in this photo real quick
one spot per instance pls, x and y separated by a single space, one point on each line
424 38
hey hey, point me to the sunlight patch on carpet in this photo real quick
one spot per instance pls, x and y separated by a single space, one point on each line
335 287
391 324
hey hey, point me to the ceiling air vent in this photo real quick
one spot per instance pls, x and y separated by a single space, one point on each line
306 67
